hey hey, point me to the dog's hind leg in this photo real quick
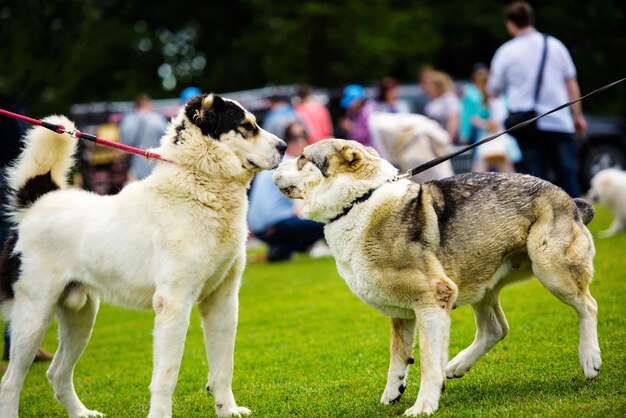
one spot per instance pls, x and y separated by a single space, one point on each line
491 327
562 259
75 328
218 312
401 356
29 320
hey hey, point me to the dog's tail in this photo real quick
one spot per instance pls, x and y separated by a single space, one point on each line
585 210
42 167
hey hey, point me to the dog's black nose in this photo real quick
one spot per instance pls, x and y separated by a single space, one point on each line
281 147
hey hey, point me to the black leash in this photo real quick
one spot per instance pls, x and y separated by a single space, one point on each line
430 164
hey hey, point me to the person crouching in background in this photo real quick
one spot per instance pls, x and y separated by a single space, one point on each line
272 217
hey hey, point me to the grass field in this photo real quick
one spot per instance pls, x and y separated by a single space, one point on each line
307 347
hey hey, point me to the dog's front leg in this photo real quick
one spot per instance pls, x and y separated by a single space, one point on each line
434 329
218 312
170 329
401 356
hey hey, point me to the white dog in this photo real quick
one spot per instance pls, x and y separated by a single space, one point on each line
169 241
609 188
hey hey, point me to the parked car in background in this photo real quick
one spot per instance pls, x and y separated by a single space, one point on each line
604 146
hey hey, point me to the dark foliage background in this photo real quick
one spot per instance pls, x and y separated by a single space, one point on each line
56 53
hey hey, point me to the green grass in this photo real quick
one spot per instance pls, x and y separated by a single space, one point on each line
307 347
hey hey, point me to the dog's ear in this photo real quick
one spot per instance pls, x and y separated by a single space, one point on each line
202 112
193 108
212 101
350 155
197 108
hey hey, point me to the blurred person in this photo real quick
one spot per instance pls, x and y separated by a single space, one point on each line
280 116
444 105
273 217
11 131
388 97
358 108
315 116
423 75
514 72
483 114
500 154
474 105
143 129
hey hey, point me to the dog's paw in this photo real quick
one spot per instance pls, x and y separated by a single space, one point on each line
88 413
590 361
394 390
456 368
424 407
235 411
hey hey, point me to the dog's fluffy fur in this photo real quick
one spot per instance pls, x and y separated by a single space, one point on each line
169 241
609 188
415 251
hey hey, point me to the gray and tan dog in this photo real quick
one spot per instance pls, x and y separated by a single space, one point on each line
414 251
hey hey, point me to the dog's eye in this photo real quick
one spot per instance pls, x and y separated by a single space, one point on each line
322 166
247 128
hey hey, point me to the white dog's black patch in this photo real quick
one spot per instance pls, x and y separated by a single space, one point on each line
10 262
33 189
223 116
9 267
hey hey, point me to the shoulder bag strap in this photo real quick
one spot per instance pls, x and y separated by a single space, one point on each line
540 74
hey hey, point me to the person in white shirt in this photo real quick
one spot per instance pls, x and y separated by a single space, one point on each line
444 105
513 72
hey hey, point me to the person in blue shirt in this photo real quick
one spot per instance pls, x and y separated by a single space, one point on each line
280 116
272 217
474 104
142 128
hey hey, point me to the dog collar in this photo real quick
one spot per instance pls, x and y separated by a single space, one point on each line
356 201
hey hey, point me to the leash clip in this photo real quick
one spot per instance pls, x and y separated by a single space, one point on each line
150 155
400 177
74 133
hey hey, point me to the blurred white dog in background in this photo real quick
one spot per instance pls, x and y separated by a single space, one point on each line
609 188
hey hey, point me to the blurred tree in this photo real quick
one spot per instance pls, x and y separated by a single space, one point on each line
57 53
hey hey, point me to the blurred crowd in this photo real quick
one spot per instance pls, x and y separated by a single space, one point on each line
528 75
531 72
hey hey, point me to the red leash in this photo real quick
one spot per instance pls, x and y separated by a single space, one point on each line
60 129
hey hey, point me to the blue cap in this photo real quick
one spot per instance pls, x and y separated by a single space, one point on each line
188 93
350 94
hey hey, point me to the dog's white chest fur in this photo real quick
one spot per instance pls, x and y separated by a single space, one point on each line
122 247
344 240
